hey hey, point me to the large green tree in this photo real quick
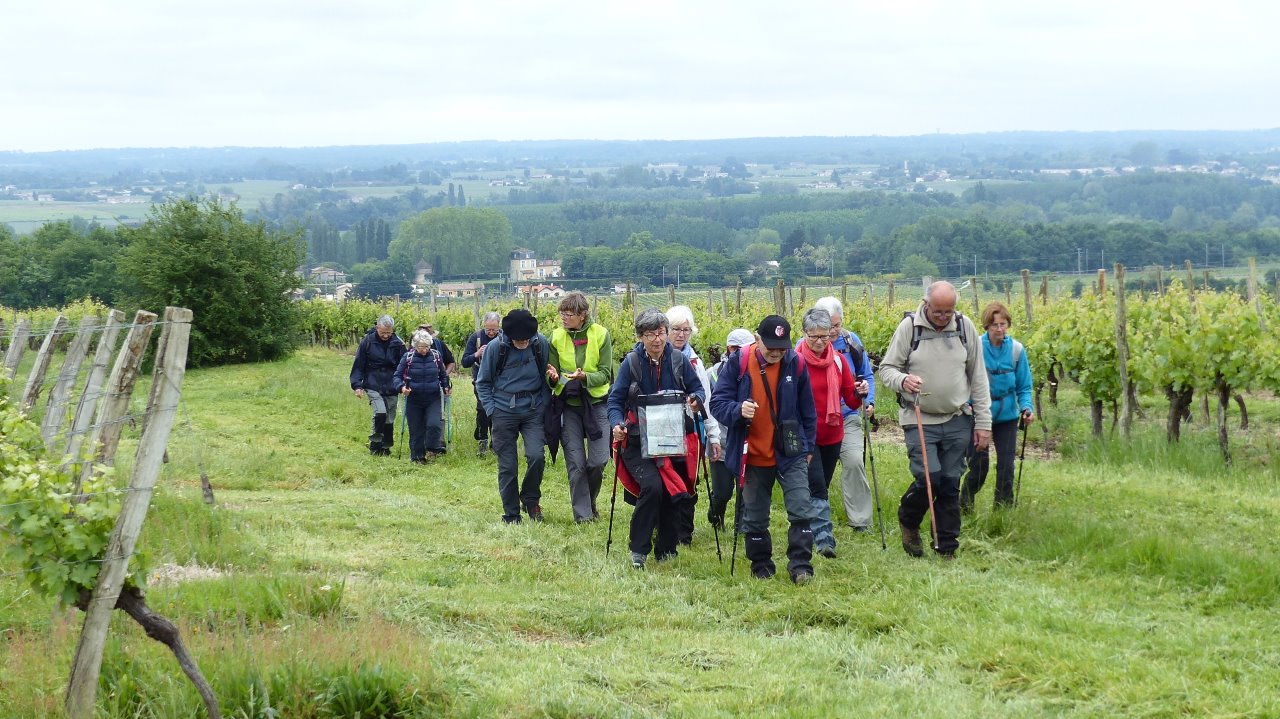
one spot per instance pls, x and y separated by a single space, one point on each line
455 240
236 277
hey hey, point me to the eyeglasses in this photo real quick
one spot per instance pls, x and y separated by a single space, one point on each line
999 325
567 313
940 313
818 338
651 336
681 330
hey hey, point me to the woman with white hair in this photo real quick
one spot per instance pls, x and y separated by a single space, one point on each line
420 377
682 330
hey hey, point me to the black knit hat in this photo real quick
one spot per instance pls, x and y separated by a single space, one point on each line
519 325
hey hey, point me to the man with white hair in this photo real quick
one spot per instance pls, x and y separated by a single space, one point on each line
935 364
490 325
372 378
854 488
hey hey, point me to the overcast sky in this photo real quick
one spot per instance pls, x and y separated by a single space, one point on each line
158 73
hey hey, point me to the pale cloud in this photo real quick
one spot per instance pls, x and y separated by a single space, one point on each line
255 72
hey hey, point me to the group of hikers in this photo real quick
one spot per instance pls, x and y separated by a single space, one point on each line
772 408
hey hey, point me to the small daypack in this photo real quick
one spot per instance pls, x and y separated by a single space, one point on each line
539 354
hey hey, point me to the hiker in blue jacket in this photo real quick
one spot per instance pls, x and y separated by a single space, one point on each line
1009 375
421 377
512 387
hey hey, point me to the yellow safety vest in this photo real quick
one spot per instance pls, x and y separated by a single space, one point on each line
591 359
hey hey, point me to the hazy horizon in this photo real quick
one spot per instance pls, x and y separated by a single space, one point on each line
148 74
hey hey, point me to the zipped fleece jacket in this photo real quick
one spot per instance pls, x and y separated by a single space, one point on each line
954 372
1010 386
375 364
794 397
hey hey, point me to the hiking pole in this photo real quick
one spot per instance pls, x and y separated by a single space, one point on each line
737 506
448 419
400 446
928 481
613 500
1017 486
706 483
869 452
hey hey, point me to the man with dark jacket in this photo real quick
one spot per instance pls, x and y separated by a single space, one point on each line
372 377
513 389
769 405
471 356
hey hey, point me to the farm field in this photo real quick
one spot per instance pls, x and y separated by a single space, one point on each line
1131 581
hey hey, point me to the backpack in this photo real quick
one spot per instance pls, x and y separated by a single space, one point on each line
435 354
677 369
857 352
539 354
1017 355
916 338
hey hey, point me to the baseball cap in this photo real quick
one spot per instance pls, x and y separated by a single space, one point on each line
775 332
739 338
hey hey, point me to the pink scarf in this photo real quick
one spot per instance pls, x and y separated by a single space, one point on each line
830 405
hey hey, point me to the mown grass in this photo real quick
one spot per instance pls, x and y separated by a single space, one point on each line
1129 582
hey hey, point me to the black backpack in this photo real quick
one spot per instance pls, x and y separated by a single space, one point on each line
539 354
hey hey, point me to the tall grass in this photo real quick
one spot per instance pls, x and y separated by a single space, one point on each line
1129 581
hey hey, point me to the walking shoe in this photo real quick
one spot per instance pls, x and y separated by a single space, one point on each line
802 577
666 557
763 572
827 551
535 512
860 529
637 560
419 460
483 448
911 540
947 556
511 519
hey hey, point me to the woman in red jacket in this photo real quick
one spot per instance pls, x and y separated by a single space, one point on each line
832 380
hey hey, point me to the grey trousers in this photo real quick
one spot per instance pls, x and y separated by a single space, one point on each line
854 489
585 458
382 404
507 427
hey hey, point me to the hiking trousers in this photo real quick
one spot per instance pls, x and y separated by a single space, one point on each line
423 418
947 444
757 500
655 508
821 469
854 489
1004 435
507 427
585 458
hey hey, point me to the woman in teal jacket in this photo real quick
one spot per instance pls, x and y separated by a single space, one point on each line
1009 375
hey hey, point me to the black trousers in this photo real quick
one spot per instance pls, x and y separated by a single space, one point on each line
655 509
482 422
1004 435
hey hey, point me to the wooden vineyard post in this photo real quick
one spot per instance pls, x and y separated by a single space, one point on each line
476 308
1026 295
1127 397
889 298
113 404
1102 282
171 360
671 295
1160 280
780 298
802 295
977 305
724 302
56 410
711 304
844 292
1191 278
43 358
1254 297
93 386
1044 290
17 346
737 301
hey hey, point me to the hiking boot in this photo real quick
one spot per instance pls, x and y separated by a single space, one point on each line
947 556
511 519
535 512
763 572
860 529
911 540
827 551
595 512
666 557
802 577
483 448
637 560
